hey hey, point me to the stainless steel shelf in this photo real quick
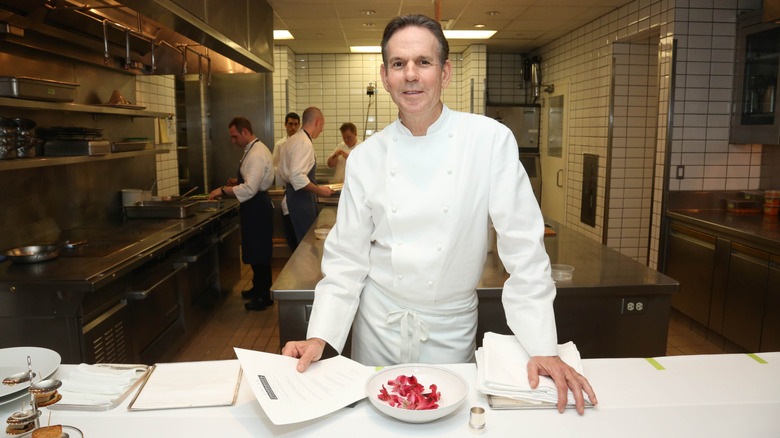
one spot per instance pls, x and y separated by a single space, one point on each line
29 163
10 102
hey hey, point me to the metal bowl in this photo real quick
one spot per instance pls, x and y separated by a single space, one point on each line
23 417
45 386
18 378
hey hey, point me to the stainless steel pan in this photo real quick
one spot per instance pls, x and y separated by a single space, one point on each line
38 253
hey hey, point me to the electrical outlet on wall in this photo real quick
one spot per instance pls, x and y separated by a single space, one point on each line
680 172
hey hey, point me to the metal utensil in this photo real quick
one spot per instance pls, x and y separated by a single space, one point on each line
184 195
39 253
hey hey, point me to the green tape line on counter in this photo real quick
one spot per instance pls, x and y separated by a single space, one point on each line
757 358
655 364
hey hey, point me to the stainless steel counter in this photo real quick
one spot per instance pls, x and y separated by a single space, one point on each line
756 229
591 309
109 252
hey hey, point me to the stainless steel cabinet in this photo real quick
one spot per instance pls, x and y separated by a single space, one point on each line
770 333
690 260
745 296
756 82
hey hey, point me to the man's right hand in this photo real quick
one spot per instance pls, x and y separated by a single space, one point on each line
326 191
307 351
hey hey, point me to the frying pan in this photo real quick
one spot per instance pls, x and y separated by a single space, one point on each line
39 253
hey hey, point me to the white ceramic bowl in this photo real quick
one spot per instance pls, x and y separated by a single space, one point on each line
562 272
321 233
453 389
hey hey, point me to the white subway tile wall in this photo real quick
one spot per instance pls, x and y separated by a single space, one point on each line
705 34
157 93
337 83
505 78
635 114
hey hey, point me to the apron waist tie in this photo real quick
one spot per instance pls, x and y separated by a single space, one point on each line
411 337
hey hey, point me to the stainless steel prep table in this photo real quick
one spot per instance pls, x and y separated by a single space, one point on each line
591 309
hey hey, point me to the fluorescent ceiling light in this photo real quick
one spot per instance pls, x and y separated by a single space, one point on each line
365 49
283 35
468 34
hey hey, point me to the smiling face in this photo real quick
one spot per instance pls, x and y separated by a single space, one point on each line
414 76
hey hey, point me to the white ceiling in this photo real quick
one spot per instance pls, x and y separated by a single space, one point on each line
331 26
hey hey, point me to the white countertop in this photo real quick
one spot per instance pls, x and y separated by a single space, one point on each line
707 395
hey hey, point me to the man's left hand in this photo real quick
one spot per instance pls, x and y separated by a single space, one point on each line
565 377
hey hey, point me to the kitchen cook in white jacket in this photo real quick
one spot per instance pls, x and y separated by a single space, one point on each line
406 253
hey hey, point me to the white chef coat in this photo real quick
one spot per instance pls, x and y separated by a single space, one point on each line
277 156
295 161
411 236
257 170
341 162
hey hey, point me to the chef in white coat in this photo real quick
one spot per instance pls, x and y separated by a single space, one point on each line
406 253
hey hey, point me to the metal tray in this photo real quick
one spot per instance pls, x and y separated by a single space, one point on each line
23 87
64 405
58 148
126 146
162 209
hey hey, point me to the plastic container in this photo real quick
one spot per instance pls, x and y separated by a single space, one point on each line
771 202
562 272
743 206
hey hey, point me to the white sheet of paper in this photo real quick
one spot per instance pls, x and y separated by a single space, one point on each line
288 396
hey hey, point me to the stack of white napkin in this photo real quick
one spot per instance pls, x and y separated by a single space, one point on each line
502 370
98 384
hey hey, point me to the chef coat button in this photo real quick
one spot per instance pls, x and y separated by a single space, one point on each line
400 276
392 172
400 242
430 284
394 209
438 247
395 138
449 171
451 135
445 209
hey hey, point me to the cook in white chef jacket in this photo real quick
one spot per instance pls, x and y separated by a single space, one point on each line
406 253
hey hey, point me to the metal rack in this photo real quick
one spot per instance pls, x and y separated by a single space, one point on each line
45 389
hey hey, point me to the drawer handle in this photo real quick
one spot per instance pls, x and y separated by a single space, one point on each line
196 257
142 294
223 236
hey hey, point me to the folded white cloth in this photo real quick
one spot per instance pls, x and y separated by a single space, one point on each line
502 370
98 384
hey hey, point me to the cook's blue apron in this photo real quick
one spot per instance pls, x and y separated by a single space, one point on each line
302 206
257 225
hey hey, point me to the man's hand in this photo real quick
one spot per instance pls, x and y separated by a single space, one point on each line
565 377
325 191
307 351
215 194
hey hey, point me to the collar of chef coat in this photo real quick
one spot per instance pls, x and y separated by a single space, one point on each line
437 125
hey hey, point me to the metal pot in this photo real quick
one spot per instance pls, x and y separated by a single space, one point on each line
38 253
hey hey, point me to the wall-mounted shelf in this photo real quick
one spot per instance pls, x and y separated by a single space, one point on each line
29 163
10 102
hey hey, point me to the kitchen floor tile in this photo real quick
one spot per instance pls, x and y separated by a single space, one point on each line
230 325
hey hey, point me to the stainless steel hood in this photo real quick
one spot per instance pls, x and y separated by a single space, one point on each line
147 36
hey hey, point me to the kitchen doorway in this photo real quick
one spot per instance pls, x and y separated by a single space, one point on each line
554 153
